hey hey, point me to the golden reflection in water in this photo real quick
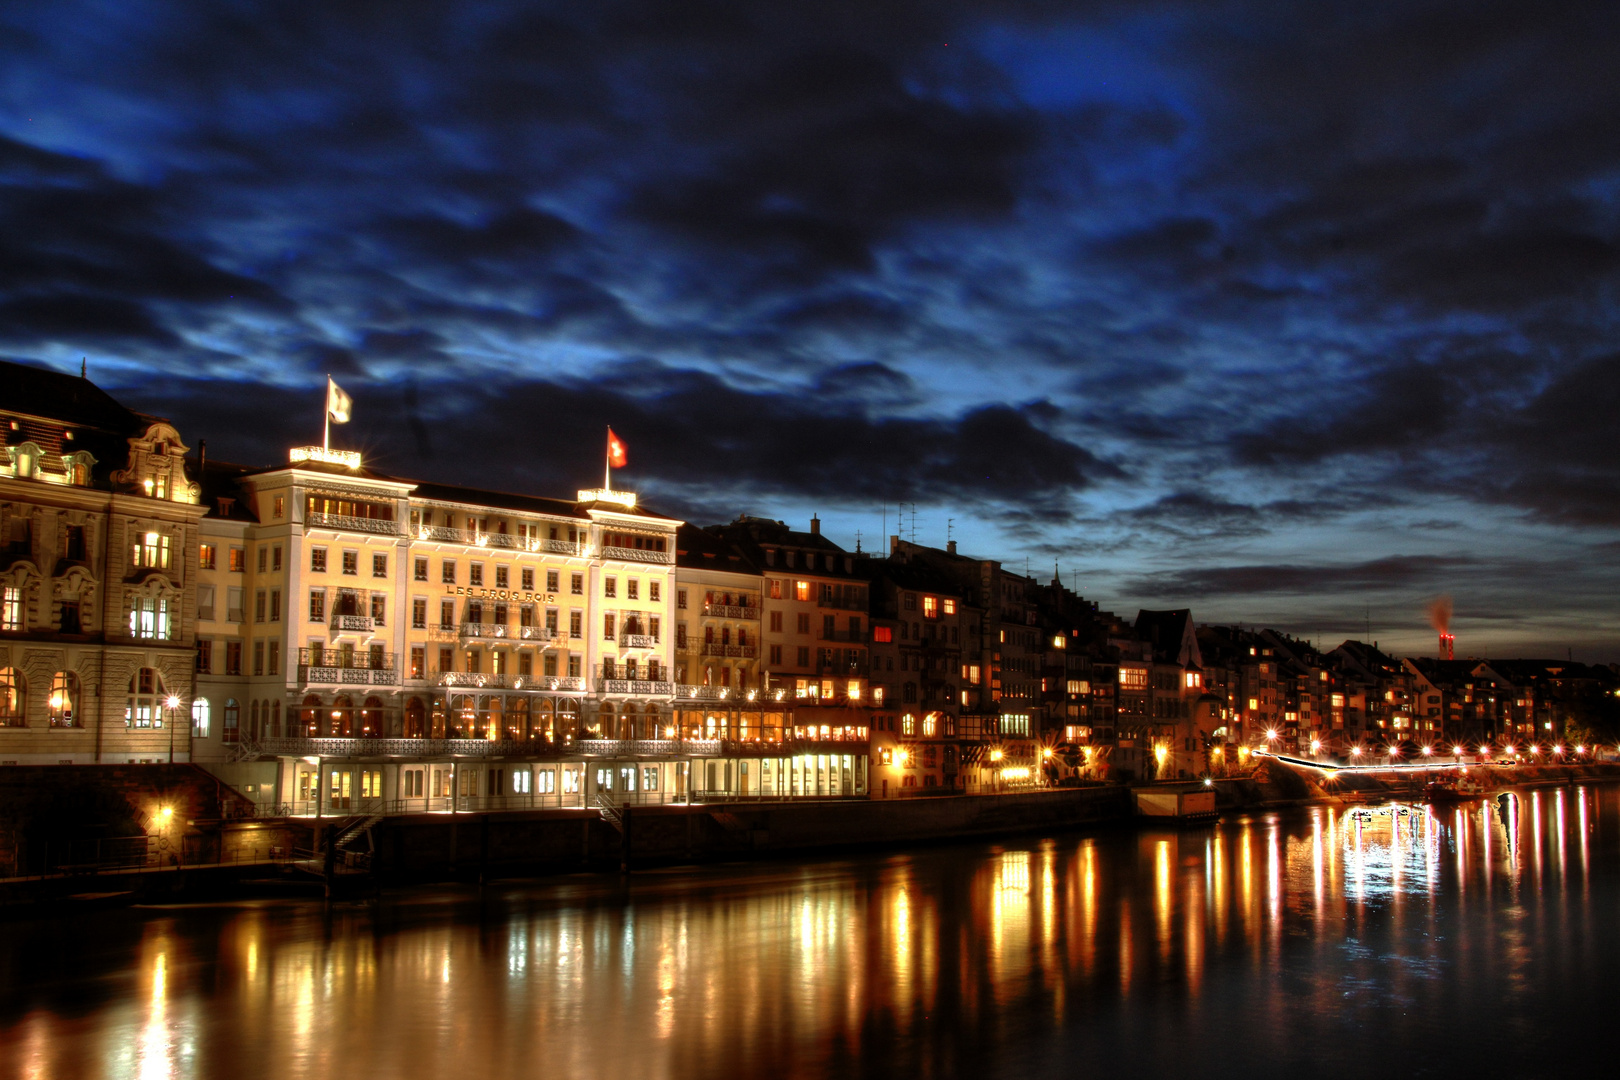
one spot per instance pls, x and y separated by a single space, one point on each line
701 972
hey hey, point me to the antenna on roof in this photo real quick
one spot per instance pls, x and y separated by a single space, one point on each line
857 541
948 522
83 367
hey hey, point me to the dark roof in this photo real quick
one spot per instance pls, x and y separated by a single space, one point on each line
699 549
221 480
503 500
67 399
1165 631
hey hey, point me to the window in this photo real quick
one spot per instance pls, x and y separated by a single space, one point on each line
64 697
13 700
653 591
144 707
418 661
420 572
526 576
275 557
317 560
150 617
379 609
632 589
379 565
205 556
776 655
882 633
576 584
447 572
199 718
11 608
351 563
930 607
552 581
950 606
1133 678
419 613
447 659
801 590
475 574
275 605
610 586
151 552
447 614
233 604
804 656
680 599
607 626
260 604
258 657
573 666
317 605
501 577
273 665
205 656
575 629
804 622
238 560
264 558
232 728
278 506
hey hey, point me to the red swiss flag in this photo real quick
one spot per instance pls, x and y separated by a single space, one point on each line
616 452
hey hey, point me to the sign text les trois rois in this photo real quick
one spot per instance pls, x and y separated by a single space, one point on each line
516 595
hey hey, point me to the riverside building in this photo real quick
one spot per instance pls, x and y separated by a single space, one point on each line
98 562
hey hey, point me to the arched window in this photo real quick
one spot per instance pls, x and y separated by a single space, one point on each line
64 700
491 720
144 708
463 717
371 717
13 699
415 718
253 721
517 718
310 717
342 717
231 729
201 713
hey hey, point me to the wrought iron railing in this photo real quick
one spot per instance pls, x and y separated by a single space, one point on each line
363 623
638 641
505 541
730 611
484 680
636 686
379 526
638 555
716 648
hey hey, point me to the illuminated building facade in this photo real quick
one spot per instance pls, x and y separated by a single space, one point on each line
98 561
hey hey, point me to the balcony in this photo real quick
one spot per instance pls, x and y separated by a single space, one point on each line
503 632
361 624
376 526
635 686
731 695
329 667
852 637
730 611
638 641
715 648
664 558
842 603
488 680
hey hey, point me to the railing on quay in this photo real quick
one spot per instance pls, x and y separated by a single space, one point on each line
379 747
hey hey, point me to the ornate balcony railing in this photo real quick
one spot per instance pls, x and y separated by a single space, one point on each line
364 624
638 555
379 526
502 631
715 648
504 541
734 698
359 671
635 686
730 611
638 641
486 680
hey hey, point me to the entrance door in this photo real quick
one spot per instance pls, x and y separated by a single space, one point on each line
341 792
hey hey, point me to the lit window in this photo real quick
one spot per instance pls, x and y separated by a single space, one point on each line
930 607
151 551
1133 678
882 633
11 608
801 590
950 606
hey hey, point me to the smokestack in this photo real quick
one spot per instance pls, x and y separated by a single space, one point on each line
815 525
1440 619
950 547
894 544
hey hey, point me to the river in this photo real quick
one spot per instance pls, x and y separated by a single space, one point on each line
1481 939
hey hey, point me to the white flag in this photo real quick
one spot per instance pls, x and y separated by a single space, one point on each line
337 402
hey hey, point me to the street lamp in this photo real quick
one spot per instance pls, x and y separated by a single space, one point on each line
171 703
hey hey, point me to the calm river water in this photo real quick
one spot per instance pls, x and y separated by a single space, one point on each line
1477 940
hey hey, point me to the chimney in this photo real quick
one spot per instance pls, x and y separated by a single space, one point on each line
894 544
950 547
815 525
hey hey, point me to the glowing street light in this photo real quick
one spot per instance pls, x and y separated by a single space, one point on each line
1428 751
171 703
1355 751
1316 746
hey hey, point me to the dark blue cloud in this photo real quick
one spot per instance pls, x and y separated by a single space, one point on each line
1169 290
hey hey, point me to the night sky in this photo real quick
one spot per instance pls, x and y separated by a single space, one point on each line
1297 314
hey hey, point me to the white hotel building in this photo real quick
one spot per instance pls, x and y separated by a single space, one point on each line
372 644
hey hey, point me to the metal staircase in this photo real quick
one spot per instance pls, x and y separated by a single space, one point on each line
612 813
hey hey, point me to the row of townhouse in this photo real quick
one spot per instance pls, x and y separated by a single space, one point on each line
329 638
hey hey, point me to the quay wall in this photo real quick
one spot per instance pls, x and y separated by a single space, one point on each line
427 846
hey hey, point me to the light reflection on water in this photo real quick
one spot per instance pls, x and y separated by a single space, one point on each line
1330 940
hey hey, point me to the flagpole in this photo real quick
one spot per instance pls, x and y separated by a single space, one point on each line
326 414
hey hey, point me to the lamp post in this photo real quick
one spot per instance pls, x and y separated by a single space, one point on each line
171 703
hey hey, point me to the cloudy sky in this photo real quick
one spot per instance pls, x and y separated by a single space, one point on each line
1296 314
